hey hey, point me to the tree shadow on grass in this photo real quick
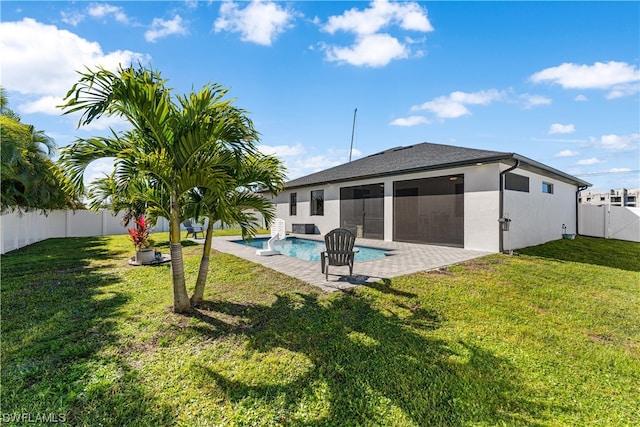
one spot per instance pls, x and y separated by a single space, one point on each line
371 367
57 318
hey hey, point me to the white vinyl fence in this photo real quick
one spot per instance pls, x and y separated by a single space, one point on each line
19 230
610 222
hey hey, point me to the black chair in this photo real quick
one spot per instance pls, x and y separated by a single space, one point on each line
191 230
339 250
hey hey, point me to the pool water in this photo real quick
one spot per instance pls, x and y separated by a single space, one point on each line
310 249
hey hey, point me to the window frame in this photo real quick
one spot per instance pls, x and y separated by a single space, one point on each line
515 182
317 203
293 204
547 187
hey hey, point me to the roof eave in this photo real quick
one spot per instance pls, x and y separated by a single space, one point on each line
491 159
561 175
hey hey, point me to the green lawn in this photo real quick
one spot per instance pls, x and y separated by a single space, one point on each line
550 337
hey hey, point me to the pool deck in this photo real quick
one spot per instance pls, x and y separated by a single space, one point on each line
404 258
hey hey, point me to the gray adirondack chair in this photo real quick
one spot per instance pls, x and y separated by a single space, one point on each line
192 230
339 250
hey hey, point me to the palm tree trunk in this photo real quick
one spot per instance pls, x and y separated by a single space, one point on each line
198 293
180 297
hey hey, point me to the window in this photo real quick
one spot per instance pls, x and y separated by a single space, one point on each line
547 188
293 204
516 182
317 202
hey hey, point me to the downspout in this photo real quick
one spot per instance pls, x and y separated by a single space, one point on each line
580 188
501 208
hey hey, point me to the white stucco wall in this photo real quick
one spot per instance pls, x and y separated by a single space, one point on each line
537 217
480 204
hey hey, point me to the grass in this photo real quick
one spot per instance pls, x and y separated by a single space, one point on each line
547 338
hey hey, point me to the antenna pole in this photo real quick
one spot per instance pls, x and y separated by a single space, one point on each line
353 129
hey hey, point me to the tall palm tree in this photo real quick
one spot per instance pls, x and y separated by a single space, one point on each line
236 205
176 143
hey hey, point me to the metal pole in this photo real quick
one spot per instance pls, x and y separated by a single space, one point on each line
353 129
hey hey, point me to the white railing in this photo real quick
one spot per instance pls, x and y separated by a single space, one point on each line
610 222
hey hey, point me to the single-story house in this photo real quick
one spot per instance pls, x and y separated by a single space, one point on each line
437 194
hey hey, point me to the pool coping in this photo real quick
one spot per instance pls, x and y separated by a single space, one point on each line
387 252
406 258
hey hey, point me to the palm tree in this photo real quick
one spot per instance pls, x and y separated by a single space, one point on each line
30 179
175 144
136 197
236 205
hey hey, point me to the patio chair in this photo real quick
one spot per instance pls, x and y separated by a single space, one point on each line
192 230
339 250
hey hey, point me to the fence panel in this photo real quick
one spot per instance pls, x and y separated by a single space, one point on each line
610 222
20 230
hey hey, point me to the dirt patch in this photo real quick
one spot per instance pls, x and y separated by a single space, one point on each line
442 270
486 263
539 309
600 339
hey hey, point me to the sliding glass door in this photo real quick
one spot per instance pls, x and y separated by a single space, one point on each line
362 210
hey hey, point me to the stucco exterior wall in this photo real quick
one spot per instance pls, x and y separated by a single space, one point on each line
480 204
537 217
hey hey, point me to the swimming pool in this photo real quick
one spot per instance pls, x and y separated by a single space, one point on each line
310 249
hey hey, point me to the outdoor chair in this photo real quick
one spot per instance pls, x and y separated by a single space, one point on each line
339 250
192 230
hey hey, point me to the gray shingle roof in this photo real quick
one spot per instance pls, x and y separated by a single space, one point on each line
400 160
420 157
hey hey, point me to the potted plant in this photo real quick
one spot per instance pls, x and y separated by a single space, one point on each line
145 254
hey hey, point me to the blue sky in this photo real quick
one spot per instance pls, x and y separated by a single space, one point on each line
557 82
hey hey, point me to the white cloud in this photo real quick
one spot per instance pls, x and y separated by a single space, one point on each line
530 101
41 60
260 22
306 165
102 10
410 121
567 153
44 105
161 28
455 104
614 142
72 18
371 47
373 50
106 122
581 98
355 153
589 162
560 128
619 78
623 90
98 169
97 11
282 150
380 14
619 170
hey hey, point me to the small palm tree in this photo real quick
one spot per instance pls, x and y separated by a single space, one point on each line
236 205
177 144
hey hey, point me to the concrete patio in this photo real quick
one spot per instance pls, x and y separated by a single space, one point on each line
404 258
